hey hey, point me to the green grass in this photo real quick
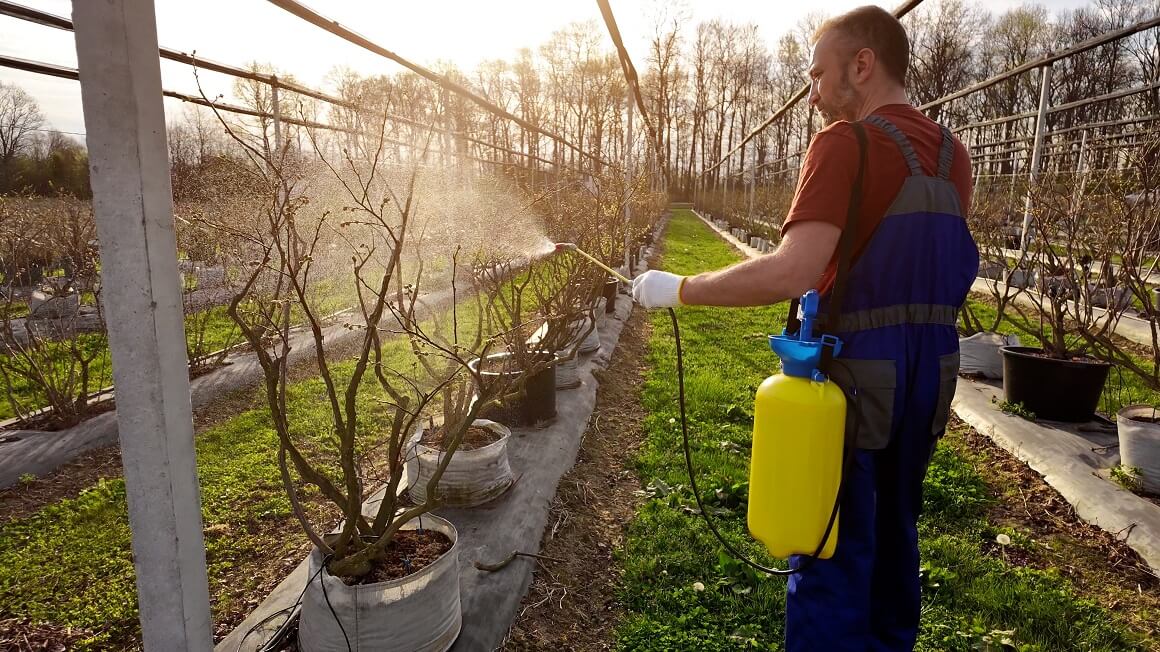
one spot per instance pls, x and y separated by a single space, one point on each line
969 594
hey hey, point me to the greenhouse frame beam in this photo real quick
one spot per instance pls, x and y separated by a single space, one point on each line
1066 130
30 14
332 26
1127 92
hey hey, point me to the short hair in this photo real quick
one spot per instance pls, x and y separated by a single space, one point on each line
875 28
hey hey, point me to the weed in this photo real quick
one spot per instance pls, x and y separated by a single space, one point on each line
1127 477
1016 410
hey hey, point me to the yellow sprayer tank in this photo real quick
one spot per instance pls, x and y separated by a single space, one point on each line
799 423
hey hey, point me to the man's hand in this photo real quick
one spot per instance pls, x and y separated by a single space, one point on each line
657 289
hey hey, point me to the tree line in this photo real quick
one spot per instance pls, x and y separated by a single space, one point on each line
706 86
709 89
33 158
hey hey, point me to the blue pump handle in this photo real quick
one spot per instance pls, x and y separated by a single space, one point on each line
801 353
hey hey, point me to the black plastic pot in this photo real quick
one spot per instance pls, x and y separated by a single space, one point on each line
611 287
1058 390
538 402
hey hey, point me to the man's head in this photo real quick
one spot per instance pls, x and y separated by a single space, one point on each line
860 54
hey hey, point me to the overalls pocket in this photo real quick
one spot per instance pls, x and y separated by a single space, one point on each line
948 377
870 386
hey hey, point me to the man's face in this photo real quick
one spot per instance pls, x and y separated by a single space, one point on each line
830 88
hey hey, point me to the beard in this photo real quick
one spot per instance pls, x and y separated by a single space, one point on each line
844 104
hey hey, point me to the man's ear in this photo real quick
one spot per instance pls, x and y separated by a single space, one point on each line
864 62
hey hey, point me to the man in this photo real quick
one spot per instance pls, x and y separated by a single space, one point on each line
913 261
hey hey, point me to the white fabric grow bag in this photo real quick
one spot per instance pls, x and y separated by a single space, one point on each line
416 613
979 354
472 477
1140 444
42 305
591 342
567 374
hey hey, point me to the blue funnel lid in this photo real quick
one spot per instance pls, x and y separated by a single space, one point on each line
801 352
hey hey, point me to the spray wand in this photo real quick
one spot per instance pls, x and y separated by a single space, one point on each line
569 246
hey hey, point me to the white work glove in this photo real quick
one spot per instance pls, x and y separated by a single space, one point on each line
657 289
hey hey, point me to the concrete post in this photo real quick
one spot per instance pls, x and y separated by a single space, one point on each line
752 182
276 109
1037 149
120 76
1080 177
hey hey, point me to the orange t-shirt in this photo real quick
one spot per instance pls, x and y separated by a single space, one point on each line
831 164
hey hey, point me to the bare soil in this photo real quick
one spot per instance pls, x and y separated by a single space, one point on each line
409 551
508 415
475 437
572 605
1141 419
21 635
24 499
506 365
1100 564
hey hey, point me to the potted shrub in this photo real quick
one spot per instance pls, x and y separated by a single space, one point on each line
50 360
564 285
1063 378
979 339
478 469
54 301
386 577
528 371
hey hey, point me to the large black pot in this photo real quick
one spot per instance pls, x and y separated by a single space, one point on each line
538 400
611 287
1058 390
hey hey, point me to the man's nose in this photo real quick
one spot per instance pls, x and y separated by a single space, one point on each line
814 96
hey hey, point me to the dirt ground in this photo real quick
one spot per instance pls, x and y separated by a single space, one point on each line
1100 564
572 605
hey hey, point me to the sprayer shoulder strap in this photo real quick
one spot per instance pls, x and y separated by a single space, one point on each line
846 244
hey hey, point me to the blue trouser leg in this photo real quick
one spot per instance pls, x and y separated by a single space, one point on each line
896 598
867 596
828 605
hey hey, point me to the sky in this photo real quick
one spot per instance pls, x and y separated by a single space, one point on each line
464 32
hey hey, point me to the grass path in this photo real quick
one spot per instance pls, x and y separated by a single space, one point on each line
680 593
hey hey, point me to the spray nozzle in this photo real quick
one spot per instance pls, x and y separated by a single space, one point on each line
565 246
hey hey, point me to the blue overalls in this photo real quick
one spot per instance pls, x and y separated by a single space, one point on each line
900 356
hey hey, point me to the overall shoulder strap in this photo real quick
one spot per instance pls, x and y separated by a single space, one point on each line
899 139
846 244
946 154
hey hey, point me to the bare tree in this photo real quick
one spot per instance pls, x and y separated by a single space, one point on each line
19 117
943 38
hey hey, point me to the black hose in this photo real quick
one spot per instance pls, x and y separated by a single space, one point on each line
847 463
